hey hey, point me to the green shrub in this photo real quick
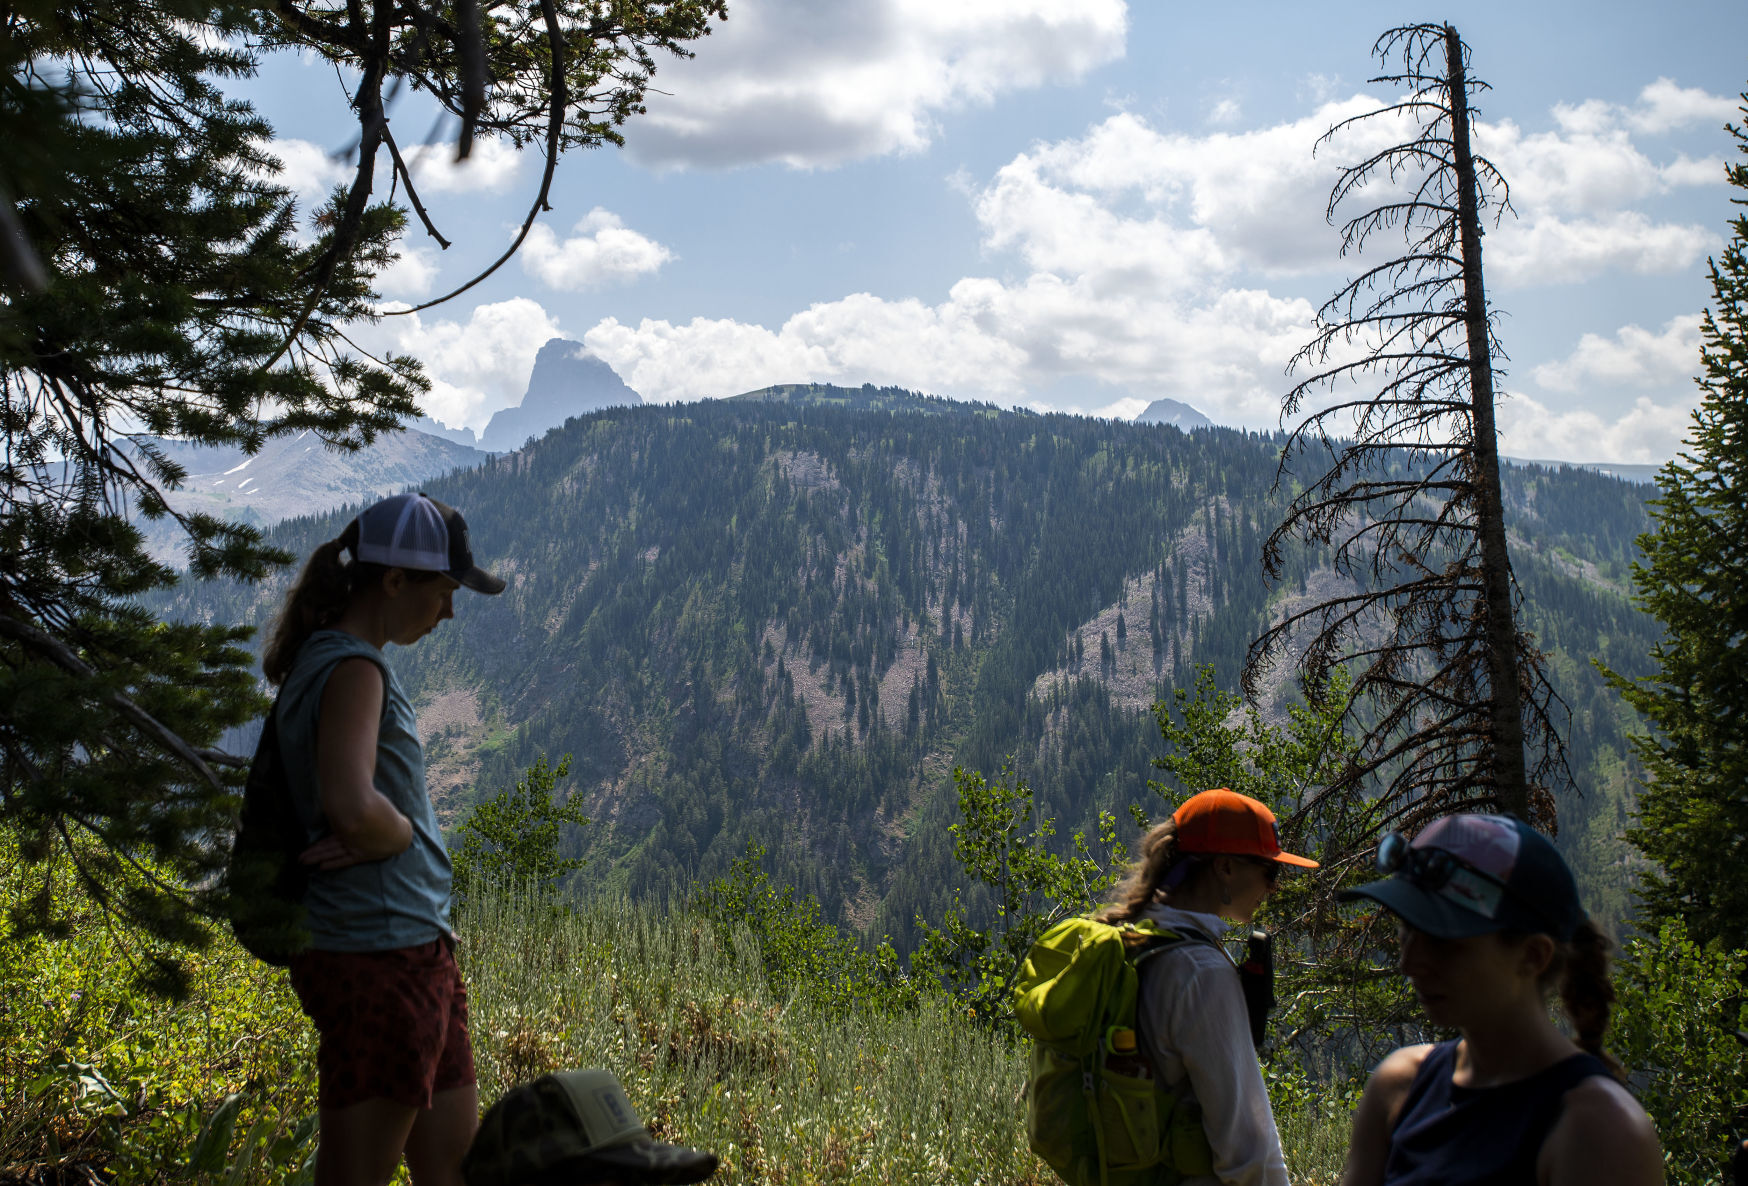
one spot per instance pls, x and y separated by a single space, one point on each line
1677 1004
803 956
1003 846
96 1071
513 838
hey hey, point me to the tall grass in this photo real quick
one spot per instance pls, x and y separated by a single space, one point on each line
681 1009
782 1091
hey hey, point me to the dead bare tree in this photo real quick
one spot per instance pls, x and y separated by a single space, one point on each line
1454 707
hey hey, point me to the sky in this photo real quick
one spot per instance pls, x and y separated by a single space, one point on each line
1070 205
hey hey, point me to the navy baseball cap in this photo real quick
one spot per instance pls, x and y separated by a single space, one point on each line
1472 874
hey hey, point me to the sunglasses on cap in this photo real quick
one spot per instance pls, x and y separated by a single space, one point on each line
1445 874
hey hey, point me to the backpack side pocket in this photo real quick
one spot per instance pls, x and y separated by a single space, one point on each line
1129 1114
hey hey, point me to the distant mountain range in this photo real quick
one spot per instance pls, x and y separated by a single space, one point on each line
785 617
566 381
295 475
1175 413
866 398
1626 471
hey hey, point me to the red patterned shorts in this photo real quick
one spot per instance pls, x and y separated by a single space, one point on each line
392 1024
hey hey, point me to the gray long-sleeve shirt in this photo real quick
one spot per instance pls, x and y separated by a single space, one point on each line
1193 1023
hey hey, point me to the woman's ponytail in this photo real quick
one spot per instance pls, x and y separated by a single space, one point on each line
1137 891
1587 992
321 594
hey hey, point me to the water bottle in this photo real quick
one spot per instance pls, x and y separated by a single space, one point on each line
1123 1056
1256 975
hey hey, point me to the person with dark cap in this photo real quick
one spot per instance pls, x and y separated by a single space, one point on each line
572 1128
1212 863
394 1062
1491 928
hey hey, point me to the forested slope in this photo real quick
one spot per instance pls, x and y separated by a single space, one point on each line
784 618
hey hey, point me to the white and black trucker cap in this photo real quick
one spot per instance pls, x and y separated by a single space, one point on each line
417 532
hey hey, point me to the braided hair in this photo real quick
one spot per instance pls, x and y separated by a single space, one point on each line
1147 876
1579 972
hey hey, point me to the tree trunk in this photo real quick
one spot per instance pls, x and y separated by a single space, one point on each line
1506 698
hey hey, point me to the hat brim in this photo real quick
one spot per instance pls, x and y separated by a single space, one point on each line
1423 910
479 580
1295 860
642 1160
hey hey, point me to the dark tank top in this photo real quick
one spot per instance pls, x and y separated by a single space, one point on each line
1454 1136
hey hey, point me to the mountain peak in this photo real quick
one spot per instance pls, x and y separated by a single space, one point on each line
1175 413
567 381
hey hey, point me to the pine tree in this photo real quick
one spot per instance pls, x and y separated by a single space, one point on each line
1457 707
156 282
1693 812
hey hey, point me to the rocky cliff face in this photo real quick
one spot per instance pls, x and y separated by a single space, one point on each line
567 381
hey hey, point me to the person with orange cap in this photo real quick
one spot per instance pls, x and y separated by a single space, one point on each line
1212 863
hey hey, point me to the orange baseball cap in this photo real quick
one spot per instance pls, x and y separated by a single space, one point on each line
1223 821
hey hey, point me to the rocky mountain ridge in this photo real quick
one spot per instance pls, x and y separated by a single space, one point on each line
785 618
295 475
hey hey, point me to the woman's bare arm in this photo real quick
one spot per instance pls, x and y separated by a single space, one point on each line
1375 1118
1603 1138
366 826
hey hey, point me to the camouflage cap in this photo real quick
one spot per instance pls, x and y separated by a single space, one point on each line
573 1127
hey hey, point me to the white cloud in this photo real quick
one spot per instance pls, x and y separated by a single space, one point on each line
601 250
1141 259
1226 111
1633 357
1202 205
412 275
1589 164
478 366
1149 261
1164 207
311 171
987 340
491 166
1553 250
860 338
1127 408
1664 106
1648 432
813 84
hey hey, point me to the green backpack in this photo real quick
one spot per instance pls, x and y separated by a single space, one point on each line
1092 1123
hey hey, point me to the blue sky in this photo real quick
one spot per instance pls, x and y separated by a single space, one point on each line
1080 205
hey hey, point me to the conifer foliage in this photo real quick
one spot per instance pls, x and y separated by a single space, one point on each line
157 281
1449 692
1693 814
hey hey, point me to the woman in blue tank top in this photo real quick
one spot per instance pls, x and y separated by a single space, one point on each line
1491 930
394 1062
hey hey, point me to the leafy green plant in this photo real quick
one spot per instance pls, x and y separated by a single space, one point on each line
1677 1005
1002 844
1342 1002
514 837
802 955
97 1070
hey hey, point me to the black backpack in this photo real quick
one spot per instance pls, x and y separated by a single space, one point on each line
264 880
